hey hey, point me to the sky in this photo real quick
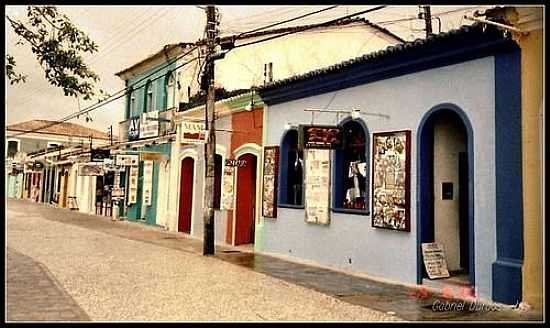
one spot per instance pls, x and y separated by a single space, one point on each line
128 34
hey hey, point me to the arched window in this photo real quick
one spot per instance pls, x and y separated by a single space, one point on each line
131 102
169 91
218 166
149 106
291 177
351 169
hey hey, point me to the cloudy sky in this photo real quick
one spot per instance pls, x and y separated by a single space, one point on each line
127 34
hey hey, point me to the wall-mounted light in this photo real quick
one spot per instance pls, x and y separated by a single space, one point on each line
355 113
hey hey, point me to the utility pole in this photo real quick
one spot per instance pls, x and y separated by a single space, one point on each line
427 15
210 146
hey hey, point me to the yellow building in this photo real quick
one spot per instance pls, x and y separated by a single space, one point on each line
529 35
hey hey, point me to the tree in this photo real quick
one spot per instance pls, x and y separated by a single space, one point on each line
58 45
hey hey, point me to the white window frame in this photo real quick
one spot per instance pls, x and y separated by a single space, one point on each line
170 88
149 105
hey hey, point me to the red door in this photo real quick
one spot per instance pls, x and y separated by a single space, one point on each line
246 201
186 195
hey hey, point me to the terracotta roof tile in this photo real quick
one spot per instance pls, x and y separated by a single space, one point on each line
65 128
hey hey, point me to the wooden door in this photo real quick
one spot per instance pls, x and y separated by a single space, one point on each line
186 195
246 201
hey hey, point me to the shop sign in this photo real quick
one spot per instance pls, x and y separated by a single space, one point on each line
193 133
126 160
133 128
320 137
90 169
152 156
99 155
236 162
434 260
149 125
147 182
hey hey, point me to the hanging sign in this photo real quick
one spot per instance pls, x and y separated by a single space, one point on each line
133 184
271 168
90 169
391 180
320 137
149 125
317 185
99 155
152 156
435 262
228 188
126 160
147 182
133 128
193 133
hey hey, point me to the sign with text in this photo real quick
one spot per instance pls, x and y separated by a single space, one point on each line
126 160
99 155
91 169
149 125
147 182
434 260
235 162
271 168
133 184
152 156
228 188
133 128
320 137
317 185
193 133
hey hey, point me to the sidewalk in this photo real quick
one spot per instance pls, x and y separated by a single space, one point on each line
392 299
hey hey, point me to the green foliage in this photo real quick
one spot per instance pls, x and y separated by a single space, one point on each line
58 46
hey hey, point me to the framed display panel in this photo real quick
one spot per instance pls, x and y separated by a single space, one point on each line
271 169
147 182
133 184
228 186
391 180
317 185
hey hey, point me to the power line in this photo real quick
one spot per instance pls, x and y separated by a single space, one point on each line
288 20
108 100
301 29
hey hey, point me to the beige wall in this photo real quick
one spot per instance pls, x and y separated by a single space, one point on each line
448 142
532 103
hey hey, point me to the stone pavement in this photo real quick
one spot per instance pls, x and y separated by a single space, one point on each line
387 298
33 294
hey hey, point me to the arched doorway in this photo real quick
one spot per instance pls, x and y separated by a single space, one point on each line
246 200
445 191
186 194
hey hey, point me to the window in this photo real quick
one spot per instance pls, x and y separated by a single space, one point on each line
218 166
131 103
351 171
13 148
149 106
169 90
291 179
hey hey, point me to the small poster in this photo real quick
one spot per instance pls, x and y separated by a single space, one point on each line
147 182
227 188
133 184
391 180
271 168
434 260
317 184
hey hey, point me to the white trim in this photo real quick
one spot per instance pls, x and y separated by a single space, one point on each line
256 150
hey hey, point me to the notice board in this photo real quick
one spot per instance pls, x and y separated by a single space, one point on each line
435 262
317 185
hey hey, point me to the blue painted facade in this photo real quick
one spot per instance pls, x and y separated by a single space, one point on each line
473 72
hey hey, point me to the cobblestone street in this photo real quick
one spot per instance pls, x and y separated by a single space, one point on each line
113 278
65 265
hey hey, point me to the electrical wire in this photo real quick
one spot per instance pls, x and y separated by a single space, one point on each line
102 103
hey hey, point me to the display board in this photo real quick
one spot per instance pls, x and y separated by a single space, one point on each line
193 133
391 180
271 169
320 136
148 182
317 185
228 185
133 184
149 125
133 128
435 262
